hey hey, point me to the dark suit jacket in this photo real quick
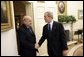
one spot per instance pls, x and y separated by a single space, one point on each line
56 39
27 41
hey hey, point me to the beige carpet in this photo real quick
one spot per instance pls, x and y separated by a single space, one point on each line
78 52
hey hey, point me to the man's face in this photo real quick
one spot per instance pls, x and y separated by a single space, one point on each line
47 18
27 21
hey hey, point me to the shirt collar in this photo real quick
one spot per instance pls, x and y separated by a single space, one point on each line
51 22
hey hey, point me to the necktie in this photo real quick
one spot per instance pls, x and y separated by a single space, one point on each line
30 30
49 27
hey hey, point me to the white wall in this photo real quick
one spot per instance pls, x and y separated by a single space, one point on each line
8 40
39 9
72 9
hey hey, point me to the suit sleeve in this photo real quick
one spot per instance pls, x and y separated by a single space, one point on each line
23 41
44 36
63 37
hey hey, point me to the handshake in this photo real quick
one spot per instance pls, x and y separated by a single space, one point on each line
37 46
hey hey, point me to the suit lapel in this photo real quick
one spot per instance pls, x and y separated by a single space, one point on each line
28 32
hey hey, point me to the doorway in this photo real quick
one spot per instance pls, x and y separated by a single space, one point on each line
21 8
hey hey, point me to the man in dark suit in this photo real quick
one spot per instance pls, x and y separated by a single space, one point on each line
55 35
27 38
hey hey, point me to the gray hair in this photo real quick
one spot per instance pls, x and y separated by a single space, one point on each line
48 13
